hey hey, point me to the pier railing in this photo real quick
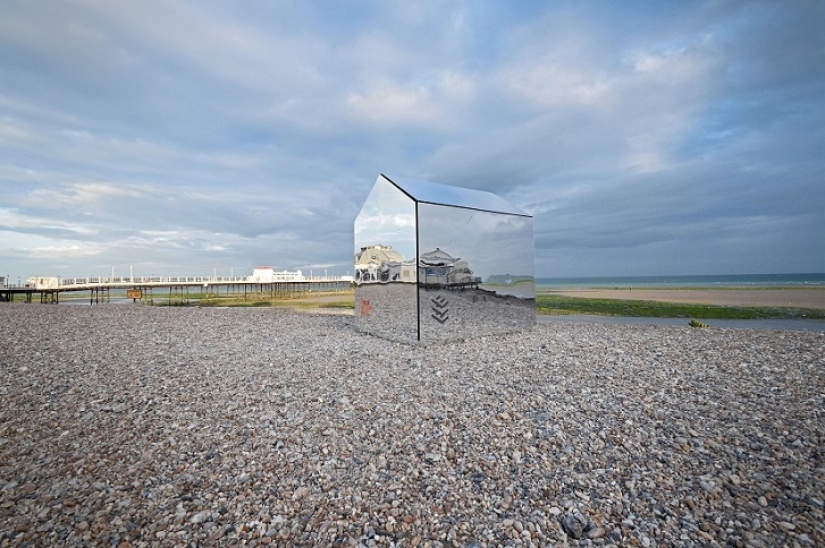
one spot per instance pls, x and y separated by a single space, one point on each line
49 290
165 280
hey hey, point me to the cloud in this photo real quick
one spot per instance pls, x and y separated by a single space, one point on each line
432 105
192 135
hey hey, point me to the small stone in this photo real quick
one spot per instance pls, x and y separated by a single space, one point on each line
572 526
762 500
200 517
596 532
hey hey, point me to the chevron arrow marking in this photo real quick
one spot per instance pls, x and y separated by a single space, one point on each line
440 312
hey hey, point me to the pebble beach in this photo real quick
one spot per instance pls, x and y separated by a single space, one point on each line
131 426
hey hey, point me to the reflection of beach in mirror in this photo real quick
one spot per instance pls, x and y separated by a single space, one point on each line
522 288
450 314
387 310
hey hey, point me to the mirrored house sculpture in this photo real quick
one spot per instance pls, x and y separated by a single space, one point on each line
437 263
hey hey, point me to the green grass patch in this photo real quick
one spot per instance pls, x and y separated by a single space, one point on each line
349 305
309 304
276 302
557 304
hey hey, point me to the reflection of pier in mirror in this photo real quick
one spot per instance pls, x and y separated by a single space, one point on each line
435 262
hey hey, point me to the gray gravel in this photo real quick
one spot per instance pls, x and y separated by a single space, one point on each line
140 426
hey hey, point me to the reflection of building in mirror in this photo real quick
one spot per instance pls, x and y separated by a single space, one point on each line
438 269
382 264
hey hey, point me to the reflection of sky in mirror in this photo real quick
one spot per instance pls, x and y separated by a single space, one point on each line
424 191
387 218
490 243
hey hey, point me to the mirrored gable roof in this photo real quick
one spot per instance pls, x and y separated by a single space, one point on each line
438 194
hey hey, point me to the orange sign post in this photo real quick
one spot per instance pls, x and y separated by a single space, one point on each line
133 294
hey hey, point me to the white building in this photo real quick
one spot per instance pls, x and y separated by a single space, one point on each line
266 275
43 282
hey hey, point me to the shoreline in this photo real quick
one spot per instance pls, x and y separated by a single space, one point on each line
794 297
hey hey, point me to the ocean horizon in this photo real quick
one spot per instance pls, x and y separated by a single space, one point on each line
690 281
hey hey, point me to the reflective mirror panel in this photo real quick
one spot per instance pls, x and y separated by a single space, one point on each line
434 193
385 274
427 271
475 274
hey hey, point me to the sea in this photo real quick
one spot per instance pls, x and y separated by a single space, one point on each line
675 282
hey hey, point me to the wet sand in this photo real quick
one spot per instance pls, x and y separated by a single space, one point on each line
813 299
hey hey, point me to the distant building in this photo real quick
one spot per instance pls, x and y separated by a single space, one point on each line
266 275
43 282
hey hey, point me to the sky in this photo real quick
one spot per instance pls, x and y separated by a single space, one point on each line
210 137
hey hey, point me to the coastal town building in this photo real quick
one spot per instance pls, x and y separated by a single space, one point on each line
266 275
